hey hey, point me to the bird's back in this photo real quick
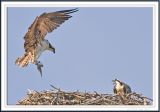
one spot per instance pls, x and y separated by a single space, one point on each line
128 89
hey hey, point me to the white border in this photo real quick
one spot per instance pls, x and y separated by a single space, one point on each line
4 6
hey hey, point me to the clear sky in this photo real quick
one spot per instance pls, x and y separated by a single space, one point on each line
93 47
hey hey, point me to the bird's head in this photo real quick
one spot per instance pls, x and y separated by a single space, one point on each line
50 47
116 81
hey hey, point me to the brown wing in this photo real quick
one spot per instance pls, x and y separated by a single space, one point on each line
44 24
114 90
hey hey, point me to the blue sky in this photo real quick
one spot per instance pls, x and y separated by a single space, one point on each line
93 47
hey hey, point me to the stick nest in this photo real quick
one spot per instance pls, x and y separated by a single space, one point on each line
59 97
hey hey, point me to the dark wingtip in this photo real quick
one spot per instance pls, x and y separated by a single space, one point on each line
68 11
74 10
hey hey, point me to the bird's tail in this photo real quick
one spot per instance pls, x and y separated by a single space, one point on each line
24 60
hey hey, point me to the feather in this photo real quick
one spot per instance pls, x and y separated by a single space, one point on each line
43 24
24 60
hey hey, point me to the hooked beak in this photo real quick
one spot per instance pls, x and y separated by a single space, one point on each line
113 81
51 48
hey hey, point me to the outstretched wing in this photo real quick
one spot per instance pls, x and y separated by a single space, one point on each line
44 24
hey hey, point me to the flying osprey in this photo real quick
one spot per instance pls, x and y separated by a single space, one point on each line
121 88
35 42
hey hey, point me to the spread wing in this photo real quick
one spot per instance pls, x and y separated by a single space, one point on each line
42 25
45 23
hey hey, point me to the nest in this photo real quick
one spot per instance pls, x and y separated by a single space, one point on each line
59 97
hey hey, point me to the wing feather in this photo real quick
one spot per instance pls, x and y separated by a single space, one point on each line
114 90
45 23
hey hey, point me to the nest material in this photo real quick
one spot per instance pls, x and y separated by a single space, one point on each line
58 97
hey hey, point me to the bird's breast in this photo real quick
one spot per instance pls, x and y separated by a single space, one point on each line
39 50
119 87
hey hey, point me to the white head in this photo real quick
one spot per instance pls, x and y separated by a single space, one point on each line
117 82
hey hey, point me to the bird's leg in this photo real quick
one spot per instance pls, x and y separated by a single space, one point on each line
39 65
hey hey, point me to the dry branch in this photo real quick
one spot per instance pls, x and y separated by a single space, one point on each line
59 97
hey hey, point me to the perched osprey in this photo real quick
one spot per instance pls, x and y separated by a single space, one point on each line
35 42
121 88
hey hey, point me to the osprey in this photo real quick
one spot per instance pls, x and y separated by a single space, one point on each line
121 88
35 43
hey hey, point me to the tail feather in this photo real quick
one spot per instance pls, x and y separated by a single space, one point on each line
24 60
